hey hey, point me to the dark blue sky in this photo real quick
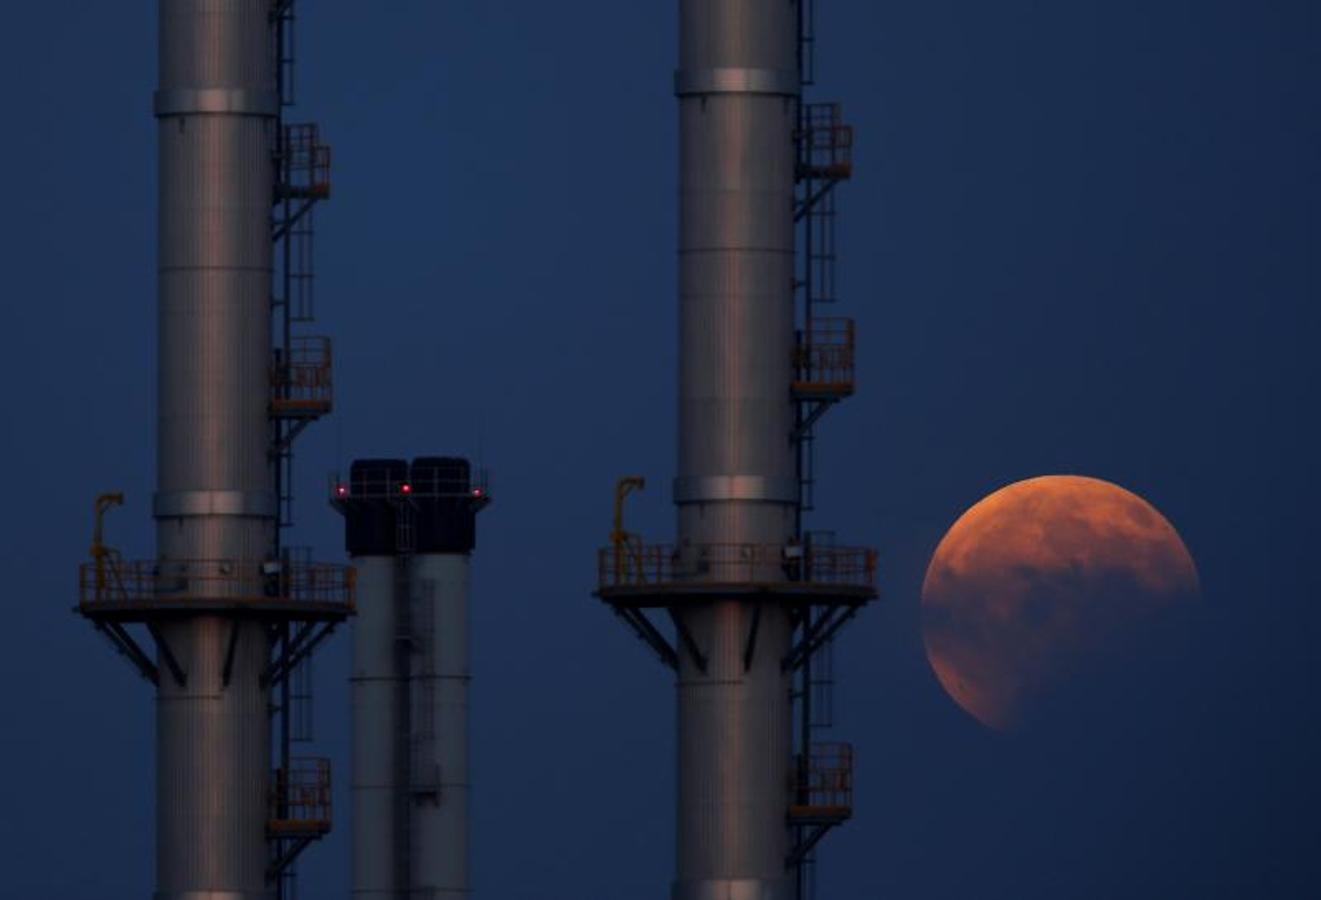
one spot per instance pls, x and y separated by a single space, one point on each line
1082 237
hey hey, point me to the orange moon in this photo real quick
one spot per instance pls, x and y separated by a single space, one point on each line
1043 583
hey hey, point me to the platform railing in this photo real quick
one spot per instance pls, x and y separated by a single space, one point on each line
136 582
300 798
826 142
824 783
824 357
303 383
476 486
661 565
306 162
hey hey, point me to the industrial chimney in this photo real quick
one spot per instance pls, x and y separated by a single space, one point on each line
410 532
753 597
230 614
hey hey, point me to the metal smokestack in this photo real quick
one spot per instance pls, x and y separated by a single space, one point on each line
215 500
379 680
737 83
410 533
750 595
228 614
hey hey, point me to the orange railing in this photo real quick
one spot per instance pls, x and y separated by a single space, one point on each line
132 583
824 356
306 161
302 382
300 797
824 783
631 565
826 142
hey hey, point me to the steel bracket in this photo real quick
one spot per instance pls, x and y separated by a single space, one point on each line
171 663
286 853
806 843
817 633
648 634
282 227
818 409
127 647
281 445
230 647
808 203
750 647
689 642
308 638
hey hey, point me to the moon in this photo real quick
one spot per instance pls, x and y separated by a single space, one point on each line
1042 585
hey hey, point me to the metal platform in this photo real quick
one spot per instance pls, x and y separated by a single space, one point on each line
824 360
302 386
825 143
143 590
824 792
661 575
300 802
304 164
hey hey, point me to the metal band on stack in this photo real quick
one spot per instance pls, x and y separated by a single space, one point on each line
718 488
728 80
215 101
186 504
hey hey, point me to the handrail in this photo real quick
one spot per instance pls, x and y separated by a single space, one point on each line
476 486
660 565
135 582
825 777
827 142
825 353
301 797
303 375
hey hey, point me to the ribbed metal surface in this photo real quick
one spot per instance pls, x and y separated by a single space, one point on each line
212 756
374 689
214 262
441 675
736 251
734 734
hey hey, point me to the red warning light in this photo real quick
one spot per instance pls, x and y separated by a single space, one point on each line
476 492
405 489
341 490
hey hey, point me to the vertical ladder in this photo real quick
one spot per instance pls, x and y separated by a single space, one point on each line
823 148
820 249
300 699
807 464
282 14
807 42
294 258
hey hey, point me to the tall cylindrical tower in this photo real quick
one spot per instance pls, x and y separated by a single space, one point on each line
736 84
751 595
410 532
216 107
379 682
230 614
446 535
